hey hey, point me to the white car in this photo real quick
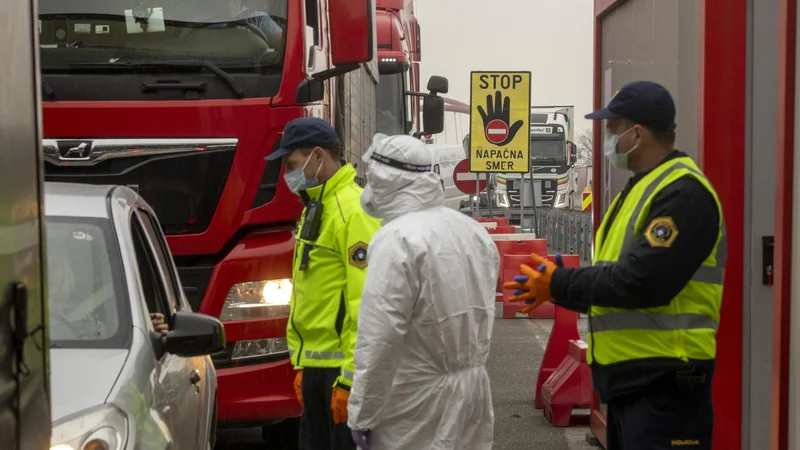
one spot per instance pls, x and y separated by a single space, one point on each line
116 382
445 158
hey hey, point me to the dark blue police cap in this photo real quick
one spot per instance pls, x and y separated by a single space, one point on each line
642 102
305 132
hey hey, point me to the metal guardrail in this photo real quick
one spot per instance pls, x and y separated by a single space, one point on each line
566 231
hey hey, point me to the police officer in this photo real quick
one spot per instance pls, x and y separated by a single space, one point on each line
654 292
330 261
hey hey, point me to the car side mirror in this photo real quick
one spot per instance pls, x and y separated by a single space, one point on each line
193 334
352 31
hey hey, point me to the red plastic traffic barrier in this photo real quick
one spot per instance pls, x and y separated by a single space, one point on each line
569 387
501 230
522 244
597 421
510 266
496 221
565 329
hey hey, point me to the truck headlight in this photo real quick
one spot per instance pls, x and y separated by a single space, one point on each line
257 300
502 200
103 427
561 200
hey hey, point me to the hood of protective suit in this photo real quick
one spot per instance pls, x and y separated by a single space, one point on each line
399 178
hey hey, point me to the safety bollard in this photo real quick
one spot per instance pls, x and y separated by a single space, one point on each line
569 387
565 329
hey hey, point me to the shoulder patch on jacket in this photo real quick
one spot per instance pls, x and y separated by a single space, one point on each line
661 232
358 255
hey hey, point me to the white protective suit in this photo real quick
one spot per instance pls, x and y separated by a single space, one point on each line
427 310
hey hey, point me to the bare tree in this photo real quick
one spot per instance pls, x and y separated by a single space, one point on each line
584 140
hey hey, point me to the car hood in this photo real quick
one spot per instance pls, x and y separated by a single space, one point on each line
82 378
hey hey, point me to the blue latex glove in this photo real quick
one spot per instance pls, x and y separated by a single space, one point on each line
362 439
524 278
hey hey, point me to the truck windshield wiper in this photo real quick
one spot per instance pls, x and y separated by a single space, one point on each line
196 63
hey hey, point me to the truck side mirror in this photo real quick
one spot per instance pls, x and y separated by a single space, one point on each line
438 85
573 152
352 26
433 114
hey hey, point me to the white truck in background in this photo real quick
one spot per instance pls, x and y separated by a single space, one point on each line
553 154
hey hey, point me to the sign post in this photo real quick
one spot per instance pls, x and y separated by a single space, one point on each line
500 141
468 183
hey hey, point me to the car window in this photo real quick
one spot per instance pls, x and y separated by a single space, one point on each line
154 291
161 252
165 257
88 302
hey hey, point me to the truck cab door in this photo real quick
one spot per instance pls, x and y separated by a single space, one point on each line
24 383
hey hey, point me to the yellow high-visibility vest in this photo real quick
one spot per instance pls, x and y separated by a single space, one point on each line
322 326
686 328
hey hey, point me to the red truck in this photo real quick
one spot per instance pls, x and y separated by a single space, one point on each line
399 59
182 100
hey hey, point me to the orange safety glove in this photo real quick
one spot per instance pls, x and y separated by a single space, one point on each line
533 286
339 404
298 386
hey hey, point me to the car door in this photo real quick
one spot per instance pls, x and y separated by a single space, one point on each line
175 395
191 373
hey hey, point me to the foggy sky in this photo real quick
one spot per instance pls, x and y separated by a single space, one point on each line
553 39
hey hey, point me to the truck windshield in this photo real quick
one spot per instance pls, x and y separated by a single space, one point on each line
552 150
236 35
390 104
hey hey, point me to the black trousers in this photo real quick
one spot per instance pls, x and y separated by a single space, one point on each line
317 429
674 415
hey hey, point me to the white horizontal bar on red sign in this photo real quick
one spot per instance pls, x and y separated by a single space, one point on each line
466 176
489 224
514 237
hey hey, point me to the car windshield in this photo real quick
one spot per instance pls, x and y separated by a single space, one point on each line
390 105
243 35
554 150
88 306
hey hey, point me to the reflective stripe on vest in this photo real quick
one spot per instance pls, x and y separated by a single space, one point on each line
686 327
310 354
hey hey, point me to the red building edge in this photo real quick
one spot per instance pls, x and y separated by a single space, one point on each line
722 41
781 330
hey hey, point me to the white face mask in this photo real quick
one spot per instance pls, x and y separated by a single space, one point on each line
611 147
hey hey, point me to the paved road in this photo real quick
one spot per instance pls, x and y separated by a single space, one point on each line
517 350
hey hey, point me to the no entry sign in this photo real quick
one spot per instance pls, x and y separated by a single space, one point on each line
465 181
496 131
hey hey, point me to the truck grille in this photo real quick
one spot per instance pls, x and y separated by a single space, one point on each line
549 189
181 179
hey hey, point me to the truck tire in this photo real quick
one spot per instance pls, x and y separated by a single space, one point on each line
283 435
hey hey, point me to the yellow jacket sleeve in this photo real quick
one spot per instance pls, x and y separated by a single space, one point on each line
354 238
